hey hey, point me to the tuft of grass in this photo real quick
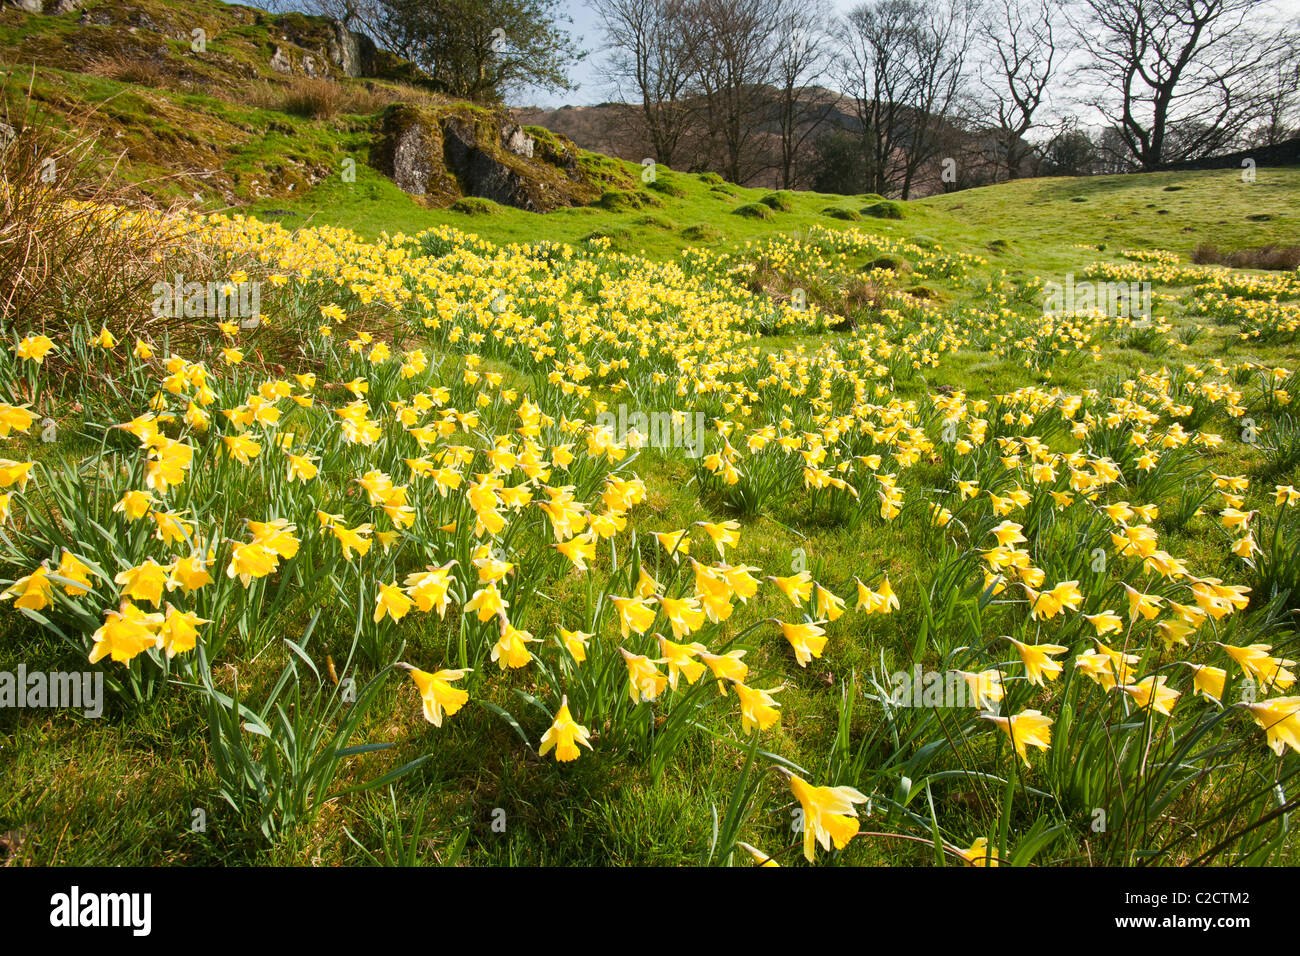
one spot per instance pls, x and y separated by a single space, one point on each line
701 232
313 98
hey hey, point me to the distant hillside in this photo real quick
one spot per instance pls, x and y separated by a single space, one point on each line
614 129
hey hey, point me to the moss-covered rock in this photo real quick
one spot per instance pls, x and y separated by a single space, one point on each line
475 206
442 154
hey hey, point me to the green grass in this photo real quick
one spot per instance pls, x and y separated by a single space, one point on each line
1029 225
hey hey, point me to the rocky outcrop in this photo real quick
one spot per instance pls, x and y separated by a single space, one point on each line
469 151
257 43
324 47
49 7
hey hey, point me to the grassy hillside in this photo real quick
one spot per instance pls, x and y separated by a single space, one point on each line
220 126
1039 223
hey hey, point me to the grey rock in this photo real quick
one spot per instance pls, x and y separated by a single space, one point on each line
478 172
351 52
409 151
280 61
514 139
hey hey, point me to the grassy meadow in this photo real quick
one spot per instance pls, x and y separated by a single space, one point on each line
377 575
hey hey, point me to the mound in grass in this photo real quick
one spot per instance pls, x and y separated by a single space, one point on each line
713 179
753 210
476 206
701 232
782 201
890 263
835 212
885 209
625 200
870 197
667 187
657 222
610 233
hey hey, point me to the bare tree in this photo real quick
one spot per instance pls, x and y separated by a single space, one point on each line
362 16
803 61
903 63
941 44
652 60
1281 95
735 67
1021 46
873 74
1178 78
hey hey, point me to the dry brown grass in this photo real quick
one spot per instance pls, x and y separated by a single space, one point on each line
140 72
319 98
1272 257
67 255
